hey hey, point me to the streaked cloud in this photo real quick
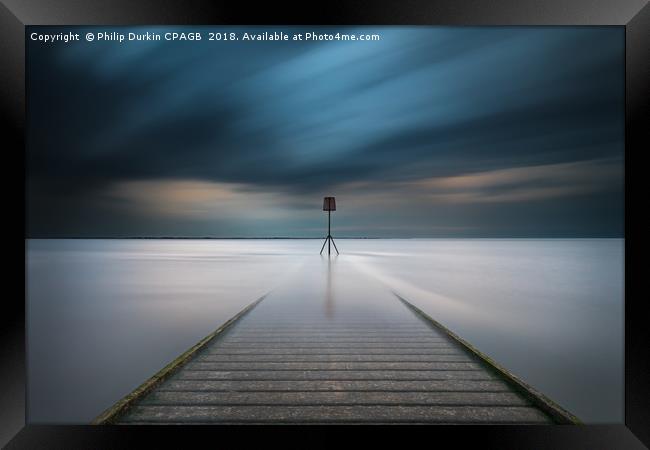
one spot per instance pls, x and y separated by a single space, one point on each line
456 128
521 184
194 199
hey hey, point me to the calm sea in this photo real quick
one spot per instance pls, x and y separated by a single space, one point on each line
104 315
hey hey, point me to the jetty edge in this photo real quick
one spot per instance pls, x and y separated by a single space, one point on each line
556 412
553 411
122 406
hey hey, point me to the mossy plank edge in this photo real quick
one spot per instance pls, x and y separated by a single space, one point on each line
110 415
555 411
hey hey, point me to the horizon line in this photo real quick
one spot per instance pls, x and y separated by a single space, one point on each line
320 238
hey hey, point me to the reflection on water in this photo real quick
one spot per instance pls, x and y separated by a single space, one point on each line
329 298
104 315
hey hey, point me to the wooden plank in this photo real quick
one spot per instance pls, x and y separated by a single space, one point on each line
320 414
335 332
335 385
342 375
332 351
364 365
334 358
332 340
331 328
335 397
333 345
331 333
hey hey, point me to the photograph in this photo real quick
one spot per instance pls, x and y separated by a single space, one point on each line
325 224
402 221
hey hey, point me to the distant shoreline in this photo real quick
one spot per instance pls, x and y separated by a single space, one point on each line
314 238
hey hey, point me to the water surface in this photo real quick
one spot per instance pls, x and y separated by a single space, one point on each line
104 315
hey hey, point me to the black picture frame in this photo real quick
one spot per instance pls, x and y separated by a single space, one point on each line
15 15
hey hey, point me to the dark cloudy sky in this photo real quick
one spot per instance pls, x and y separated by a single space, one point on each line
429 132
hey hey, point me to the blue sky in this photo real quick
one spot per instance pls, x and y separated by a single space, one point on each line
428 132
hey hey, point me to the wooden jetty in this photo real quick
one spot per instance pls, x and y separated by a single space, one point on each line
308 353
